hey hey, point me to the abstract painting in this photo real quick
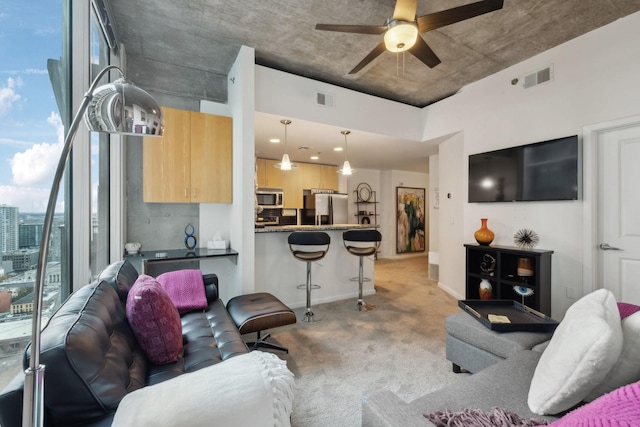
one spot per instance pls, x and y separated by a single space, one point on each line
410 235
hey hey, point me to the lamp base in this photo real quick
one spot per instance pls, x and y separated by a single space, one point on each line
33 410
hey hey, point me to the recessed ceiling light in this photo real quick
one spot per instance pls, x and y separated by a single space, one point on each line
337 149
274 140
315 157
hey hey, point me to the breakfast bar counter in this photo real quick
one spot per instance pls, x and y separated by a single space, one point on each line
279 273
326 228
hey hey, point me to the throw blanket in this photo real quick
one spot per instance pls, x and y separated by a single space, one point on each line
477 418
185 288
253 389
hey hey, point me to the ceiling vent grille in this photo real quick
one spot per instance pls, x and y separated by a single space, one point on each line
325 99
538 77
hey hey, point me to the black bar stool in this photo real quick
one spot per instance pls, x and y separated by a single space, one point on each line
362 243
309 246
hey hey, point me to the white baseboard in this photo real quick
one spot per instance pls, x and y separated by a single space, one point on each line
450 291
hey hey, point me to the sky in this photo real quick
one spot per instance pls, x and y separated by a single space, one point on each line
31 132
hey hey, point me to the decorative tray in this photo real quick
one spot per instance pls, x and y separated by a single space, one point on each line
520 317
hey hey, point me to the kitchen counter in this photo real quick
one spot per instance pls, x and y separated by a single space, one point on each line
279 273
290 228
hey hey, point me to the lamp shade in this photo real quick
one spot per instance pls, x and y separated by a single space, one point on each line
400 36
346 168
122 107
285 165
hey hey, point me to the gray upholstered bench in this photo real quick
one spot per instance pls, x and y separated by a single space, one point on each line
472 346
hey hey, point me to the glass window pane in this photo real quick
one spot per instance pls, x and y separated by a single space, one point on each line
99 163
33 119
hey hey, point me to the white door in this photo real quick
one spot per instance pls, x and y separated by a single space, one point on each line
619 212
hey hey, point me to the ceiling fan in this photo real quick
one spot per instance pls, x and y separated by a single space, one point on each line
402 31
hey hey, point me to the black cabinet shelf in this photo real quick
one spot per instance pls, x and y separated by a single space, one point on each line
500 266
365 206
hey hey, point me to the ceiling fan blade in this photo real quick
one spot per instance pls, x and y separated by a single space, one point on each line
370 57
423 52
359 29
436 20
405 10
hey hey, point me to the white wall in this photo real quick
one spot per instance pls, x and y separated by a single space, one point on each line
235 222
450 222
434 216
595 80
293 96
389 206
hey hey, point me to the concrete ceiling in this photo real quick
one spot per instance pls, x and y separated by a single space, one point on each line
193 44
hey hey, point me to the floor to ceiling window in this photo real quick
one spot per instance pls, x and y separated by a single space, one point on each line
99 234
34 95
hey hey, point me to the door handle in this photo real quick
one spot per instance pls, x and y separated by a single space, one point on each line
608 247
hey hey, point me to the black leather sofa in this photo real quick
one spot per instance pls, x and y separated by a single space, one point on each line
92 359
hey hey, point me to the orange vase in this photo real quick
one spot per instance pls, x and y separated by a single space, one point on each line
484 236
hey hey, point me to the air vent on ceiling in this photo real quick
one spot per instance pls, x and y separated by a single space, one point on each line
538 77
325 99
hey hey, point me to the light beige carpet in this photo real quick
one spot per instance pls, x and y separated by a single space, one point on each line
349 354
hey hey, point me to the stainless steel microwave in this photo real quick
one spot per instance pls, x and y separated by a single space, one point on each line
270 198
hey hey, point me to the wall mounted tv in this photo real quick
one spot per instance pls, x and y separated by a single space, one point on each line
545 170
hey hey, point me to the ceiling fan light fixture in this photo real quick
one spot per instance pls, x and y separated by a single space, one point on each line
400 36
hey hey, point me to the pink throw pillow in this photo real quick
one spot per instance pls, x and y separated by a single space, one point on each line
627 309
621 407
154 320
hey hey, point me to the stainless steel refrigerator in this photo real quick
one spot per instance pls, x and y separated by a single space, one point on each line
325 208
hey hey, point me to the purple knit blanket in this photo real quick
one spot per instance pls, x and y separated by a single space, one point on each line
185 288
476 418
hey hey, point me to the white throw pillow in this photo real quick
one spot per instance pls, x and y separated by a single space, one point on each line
253 389
584 347
627 368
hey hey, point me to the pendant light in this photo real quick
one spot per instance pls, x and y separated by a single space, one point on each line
346 167
285 164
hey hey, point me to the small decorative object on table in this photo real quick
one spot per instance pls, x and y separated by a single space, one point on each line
488 264
190 240
526 239
525 268
485 289
484 236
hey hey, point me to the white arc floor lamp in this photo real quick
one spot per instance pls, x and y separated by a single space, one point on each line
119 107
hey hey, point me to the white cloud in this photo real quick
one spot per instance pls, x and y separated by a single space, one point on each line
27 199
36 71
36 166
8 95
32 174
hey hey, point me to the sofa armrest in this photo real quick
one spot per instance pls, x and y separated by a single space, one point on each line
386 409
11 399
210 286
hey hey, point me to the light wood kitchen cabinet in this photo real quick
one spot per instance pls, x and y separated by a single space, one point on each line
292 186
329 177
192 162
310 175
268 175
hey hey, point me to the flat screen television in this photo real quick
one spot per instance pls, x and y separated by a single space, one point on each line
545 170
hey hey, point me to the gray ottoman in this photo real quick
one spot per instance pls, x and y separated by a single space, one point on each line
472 346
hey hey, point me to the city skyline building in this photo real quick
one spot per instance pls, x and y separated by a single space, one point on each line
8 228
